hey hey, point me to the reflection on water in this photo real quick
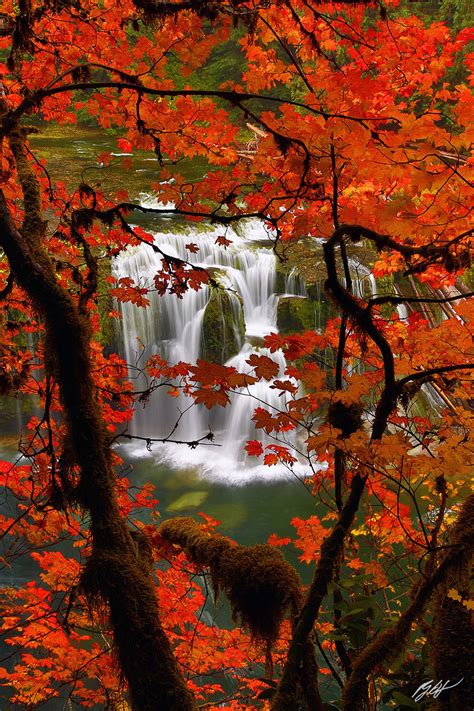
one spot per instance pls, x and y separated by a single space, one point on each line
73 155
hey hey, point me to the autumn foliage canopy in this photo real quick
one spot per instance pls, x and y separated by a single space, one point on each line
359 119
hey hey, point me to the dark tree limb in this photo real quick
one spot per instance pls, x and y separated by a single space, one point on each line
233 97
330 552
392 299
333 545
114 571
390 642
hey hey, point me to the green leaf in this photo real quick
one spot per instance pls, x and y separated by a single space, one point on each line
354 580
351 613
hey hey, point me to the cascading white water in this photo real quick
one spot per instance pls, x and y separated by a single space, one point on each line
172 328
294 285
363 281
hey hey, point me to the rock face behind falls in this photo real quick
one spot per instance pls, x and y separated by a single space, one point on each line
223 327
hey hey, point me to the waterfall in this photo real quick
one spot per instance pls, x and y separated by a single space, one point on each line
172 328
363 281
294 285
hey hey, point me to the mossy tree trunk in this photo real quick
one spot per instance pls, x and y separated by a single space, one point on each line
114 571
452 638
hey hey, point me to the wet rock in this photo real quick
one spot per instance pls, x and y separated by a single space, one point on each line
223 327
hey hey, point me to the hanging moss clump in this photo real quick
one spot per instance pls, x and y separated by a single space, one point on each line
261 586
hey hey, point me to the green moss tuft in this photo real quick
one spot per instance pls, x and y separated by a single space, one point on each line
468 278
297 314
385 287
261 586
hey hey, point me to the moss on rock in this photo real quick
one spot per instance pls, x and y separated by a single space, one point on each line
223 327
306 255
386 287
468 278
282 271
295 314
104 302
15 410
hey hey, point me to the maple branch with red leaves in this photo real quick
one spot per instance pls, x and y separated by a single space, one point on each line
233 97
434 252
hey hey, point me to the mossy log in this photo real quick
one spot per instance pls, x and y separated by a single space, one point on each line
261 586
263 589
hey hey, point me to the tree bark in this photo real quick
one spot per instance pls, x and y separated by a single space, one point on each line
114 570
452 633
330 553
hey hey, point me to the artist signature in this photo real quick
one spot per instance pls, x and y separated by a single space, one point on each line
429 688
